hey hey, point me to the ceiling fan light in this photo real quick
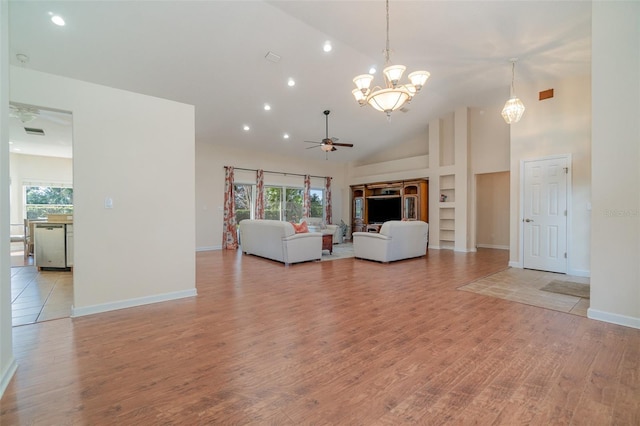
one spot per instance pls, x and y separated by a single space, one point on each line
394 73
326 147
24 114
387 100
513 110
419 78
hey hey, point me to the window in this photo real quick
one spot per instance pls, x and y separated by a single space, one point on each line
317 203
293 204
280 203
272 202
244 199
44 200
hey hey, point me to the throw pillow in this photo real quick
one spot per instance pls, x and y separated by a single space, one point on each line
300 228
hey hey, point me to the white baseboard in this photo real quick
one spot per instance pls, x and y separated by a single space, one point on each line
579 273
209 248
613 318
574 272
7 375
493 246
130 303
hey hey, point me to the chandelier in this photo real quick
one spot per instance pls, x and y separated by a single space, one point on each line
513 108
394 95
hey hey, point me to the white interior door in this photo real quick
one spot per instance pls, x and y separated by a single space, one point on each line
545 215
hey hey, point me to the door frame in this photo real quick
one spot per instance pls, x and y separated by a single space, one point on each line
568 159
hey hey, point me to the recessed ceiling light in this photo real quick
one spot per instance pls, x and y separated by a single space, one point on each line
246 128
267 107
56 19
372 70
327 46
286 136
291 82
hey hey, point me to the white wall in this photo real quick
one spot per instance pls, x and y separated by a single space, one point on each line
483 146
35 168
416 146
615 222
489 139
492 213
210 162
7 361
138 151
560 125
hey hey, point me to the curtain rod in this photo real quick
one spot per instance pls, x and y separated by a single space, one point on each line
278 173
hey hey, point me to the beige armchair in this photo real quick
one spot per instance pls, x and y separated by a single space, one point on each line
396 240
316 224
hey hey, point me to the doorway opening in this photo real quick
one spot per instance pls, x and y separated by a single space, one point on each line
492 210
41 200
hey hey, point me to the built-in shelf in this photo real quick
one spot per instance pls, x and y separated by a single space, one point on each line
447 225
448 188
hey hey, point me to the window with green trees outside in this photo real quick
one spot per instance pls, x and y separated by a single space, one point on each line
44 200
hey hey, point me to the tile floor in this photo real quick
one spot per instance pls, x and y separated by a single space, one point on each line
523 286
38 295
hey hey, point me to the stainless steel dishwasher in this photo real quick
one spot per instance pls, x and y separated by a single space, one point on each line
50 245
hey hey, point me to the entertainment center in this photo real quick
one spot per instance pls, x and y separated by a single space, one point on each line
376 203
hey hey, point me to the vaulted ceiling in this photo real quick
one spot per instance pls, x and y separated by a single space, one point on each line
211 54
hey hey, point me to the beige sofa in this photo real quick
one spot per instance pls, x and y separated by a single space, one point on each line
316 224
277 240
396 240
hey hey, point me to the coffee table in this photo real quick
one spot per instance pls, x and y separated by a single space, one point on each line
327 242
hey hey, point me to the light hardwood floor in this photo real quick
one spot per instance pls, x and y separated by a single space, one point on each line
342 342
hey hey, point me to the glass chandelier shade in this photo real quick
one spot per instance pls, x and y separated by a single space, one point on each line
513 108
387 100
393 95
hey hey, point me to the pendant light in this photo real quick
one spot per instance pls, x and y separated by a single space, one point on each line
513 108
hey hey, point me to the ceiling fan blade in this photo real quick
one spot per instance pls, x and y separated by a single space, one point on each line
311 147
327 141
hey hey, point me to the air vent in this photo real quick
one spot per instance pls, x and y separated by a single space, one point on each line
272 57
545 94
34 131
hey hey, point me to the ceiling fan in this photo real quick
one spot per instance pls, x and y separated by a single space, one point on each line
328 144
28 113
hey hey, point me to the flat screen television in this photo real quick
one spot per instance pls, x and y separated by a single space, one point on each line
383 209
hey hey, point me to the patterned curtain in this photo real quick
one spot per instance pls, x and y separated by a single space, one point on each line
306 201
229 234
260 194
327 200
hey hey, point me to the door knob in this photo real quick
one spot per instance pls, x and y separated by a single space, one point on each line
528 220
